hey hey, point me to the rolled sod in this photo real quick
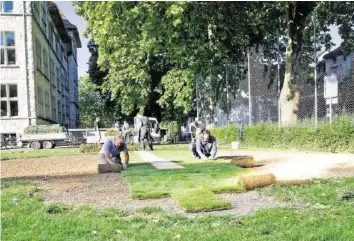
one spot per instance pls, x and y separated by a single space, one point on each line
106 168
244 162
254 181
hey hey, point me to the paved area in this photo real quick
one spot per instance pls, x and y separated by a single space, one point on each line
299 165
158 162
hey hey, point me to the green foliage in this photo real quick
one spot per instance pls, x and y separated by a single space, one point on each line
92 105
176 88
173 131
111 132
90 148
42 129
337 136
133 146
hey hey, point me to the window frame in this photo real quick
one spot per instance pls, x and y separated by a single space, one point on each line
2 6
9 99
5 48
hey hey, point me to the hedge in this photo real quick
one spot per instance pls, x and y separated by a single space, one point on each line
42 129
173 131
337 136
95 148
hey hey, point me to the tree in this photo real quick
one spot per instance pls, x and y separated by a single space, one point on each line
140 42
92 105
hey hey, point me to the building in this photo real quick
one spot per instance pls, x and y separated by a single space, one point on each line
342 65
38 66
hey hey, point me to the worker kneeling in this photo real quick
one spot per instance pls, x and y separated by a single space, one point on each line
111 149
204 146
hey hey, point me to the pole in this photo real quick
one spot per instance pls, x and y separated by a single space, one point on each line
196 95
249 90
330 110
315 55
227 97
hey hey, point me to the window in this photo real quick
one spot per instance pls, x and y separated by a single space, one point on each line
45 63
54 109
9 101
58 79
7 6
44 16
346 68
46 105
39 101
7 48
52 73
39 55
59 112
50 33
63 113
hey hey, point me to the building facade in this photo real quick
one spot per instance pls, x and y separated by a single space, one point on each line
38 66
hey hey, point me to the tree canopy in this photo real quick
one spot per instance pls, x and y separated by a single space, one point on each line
152 52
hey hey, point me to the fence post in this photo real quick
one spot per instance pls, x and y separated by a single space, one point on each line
249 90
315 56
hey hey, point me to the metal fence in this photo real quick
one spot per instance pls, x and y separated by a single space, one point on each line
249 92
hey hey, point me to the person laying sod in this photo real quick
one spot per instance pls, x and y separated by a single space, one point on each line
204 146
111 149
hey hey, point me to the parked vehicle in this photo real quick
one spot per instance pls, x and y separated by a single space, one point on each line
45 136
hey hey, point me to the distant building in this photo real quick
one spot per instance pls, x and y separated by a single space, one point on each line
38 66
342 65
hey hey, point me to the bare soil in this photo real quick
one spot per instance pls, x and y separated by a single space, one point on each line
75 180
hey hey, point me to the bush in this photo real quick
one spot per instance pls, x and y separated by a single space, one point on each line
90 148
41 129
111 132
173 131
337 136
95 148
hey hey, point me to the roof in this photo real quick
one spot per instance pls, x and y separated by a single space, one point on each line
58 22
72 28
337 52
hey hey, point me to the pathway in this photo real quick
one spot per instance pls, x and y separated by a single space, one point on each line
158 162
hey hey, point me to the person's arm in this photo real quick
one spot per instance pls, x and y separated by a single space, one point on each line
126 157
213 149
198 148
106 151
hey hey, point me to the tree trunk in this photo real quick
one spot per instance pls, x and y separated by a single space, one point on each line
289 95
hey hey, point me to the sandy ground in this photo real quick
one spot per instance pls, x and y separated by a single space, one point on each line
74 179
299 165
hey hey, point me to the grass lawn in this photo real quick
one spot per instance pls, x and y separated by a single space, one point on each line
24 216
29 153
193 187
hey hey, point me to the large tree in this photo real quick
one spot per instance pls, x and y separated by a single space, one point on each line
140 43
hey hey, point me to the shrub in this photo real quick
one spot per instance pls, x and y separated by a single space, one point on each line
337 136
111 132
173 131
90 148
133 146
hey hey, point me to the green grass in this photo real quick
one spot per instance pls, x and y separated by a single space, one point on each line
8 155
198 200
24 216
200 179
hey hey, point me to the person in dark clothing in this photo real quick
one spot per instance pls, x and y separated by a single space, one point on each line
145 132
205 146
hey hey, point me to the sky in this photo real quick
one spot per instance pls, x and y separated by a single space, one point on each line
84 54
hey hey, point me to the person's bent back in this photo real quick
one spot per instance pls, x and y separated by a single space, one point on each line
206 146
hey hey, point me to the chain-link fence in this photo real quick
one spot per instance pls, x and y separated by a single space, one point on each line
249 92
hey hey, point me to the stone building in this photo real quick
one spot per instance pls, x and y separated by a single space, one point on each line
38 66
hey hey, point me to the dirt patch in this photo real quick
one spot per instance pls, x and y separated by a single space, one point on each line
52 166
98 191
106 190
